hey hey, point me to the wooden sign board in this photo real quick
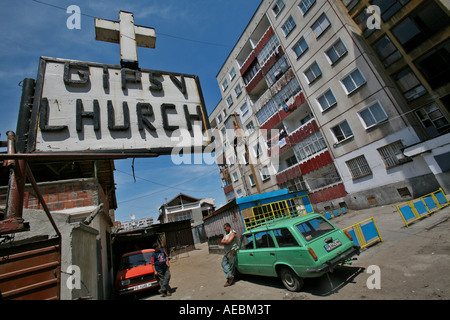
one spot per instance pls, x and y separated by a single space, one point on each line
90 107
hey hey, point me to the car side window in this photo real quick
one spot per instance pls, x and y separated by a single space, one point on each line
264 240
285 238
247 242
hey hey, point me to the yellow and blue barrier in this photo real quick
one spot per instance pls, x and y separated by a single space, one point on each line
334 213
364 233
421 207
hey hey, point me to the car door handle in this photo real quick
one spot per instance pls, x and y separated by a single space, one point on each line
272 253
251 254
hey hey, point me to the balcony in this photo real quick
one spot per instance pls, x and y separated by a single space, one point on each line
183 207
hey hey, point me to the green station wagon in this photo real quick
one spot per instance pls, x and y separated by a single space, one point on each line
294 248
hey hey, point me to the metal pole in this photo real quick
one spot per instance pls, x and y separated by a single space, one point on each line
13 221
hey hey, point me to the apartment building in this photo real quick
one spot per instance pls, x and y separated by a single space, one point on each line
307 103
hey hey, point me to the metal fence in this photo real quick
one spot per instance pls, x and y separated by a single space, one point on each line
421 207
364 233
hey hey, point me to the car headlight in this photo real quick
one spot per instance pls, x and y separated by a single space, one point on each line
125 282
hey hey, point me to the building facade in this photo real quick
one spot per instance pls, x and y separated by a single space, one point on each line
184 207
315 97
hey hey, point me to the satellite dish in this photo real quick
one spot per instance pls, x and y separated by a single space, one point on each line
132 217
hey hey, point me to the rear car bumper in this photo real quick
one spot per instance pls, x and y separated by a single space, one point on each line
329 265
135 288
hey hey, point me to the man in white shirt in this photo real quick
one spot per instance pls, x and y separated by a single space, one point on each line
230 243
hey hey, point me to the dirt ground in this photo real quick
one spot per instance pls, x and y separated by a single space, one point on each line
414 264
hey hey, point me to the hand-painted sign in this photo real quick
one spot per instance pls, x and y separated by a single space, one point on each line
85 106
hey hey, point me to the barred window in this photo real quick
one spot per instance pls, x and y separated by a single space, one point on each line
359 167
309 146
392 154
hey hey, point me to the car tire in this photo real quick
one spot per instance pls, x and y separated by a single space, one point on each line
290 280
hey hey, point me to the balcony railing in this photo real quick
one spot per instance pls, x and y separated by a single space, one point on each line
183 207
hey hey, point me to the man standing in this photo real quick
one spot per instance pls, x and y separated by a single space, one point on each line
161 267
230 243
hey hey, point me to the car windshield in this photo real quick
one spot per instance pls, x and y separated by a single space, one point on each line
135 260
314 228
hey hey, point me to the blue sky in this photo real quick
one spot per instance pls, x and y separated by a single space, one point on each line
193 37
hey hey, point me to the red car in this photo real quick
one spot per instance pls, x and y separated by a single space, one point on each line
136 272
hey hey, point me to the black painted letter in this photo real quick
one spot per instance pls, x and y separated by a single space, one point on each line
43 118
164 108
141 113
112 119
95 115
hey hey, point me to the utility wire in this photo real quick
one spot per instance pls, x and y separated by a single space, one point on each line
159 33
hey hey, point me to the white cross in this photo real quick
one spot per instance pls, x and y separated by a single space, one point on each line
127 34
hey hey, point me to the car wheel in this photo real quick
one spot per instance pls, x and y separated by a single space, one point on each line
290 280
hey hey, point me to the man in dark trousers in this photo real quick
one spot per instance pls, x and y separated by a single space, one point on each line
161 268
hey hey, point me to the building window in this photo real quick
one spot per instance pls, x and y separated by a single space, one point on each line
435 65
300 47
327 100
257 150
266 112
320 25
288 26
250 128
245 157
277 71
310 146
238 89
224 113
409 85
288 91
392 154
305 5
350 3
337 51
433 119
219 118
251 72
373 115
313 72
342 131
239 193
235 176
359 167
224 84
270 47
265 174
387 51
389 7
251 178
420 25
229 101
279 5
244 109
291 161
232 74
353 81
